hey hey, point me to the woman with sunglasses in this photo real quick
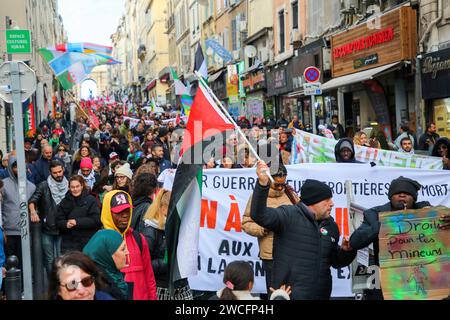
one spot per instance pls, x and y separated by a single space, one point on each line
83 152
78 216
109 251
75 276
63 156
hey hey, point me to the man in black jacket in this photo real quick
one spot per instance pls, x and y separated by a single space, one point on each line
43 206
305 238
402 195
344 151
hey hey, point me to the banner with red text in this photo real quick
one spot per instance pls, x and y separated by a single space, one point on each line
225 196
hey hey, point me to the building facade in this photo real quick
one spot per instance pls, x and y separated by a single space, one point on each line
46 29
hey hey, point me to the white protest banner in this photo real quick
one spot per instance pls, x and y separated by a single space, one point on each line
134 121
310 148
225 196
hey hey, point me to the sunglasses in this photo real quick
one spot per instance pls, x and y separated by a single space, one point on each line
279 185
73 285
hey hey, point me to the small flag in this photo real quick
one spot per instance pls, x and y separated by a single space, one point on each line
200 63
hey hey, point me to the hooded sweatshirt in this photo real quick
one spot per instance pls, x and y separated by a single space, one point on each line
10 203
435 152
140 271
349 143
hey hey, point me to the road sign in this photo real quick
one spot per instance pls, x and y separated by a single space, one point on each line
312 74
312 89
18 41
27 81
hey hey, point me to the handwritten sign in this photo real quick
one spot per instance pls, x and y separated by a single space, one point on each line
414 256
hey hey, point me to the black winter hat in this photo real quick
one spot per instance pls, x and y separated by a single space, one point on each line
163 131
405 185
314 191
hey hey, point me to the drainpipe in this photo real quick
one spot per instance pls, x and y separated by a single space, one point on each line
431 26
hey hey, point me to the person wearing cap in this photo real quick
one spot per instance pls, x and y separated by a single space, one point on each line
277 197
344 151
305 238
31 154
116 215
78 216
403 193
123 177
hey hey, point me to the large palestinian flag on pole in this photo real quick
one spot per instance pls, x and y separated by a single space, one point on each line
183 219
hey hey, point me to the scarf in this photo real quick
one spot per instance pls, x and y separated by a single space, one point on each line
90 179
100 248
58 189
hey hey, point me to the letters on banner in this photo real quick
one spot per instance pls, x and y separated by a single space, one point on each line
225 196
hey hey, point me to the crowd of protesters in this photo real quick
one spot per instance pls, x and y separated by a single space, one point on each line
97 192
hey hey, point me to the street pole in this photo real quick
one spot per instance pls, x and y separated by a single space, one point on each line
22 178
7 27
313 112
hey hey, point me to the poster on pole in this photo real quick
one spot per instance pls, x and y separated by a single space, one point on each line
414 255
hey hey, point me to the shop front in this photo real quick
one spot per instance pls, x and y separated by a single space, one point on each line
373 80
436 89
254 83
279 86
217 82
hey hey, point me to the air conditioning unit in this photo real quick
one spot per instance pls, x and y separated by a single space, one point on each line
236 54
326 57
295 36
242 26
264 52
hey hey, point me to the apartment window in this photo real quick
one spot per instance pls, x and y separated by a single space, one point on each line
148 18
295 15
234 34
282 31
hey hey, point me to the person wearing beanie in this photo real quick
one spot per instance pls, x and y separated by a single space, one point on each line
122 178
402 194
86 171
305 238
344 151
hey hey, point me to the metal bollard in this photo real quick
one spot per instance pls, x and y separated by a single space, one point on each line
13 280
38 264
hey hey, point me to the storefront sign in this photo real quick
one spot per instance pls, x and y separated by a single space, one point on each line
361 44
254 82
436 75
232 83
364 62
219 87
280 79
393 40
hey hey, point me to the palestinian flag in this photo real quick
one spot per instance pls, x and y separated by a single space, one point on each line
183 218
200 63
183 92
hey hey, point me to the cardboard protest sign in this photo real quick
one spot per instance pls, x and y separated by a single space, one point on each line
414 255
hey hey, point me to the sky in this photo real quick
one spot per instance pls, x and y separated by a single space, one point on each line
91 20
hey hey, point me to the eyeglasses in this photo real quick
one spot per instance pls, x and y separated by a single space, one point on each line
120 177
279 185
73 285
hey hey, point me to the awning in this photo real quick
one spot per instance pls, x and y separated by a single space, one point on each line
358 76
164 74
215 76
151 85
296 94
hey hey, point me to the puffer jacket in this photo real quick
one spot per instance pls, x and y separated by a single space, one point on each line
303 249
47 208
10 202
84 209
156 239
265 239
141 206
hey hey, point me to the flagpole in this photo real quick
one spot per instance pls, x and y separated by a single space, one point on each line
76 103
225 111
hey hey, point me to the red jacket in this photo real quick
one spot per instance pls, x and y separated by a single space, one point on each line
140 271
